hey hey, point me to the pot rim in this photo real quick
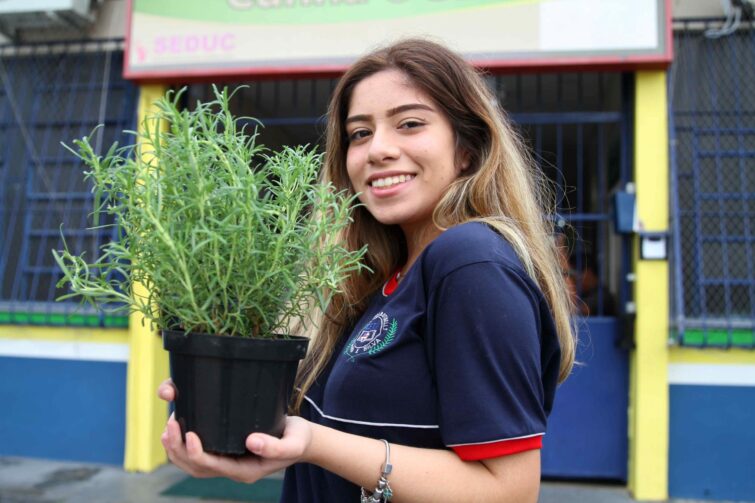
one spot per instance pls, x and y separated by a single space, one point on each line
291 348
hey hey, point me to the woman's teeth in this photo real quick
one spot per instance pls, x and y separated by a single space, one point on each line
391 181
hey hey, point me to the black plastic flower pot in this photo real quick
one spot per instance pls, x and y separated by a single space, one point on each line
229 387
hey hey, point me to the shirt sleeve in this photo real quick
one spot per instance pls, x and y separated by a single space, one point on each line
484 345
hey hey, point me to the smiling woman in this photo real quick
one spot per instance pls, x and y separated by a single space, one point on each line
443 362
401 154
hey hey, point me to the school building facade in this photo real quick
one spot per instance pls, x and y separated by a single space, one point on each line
648 137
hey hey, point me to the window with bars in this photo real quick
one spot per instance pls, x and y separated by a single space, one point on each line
712 122
53 93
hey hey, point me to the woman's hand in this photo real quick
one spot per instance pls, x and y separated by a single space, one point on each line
166 390
272 454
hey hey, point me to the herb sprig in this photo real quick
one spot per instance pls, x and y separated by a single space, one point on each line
227 237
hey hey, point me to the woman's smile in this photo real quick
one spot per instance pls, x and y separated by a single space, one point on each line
389 185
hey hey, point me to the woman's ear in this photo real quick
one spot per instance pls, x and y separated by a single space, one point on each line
463 160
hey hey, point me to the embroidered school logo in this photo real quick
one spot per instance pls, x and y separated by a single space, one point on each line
373 338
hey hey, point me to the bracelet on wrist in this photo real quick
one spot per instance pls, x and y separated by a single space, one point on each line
383 492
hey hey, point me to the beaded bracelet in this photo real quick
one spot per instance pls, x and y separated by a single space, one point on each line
383 492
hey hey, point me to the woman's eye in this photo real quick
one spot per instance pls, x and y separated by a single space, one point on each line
410 124
358 134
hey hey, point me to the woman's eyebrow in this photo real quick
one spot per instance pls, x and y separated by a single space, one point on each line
391 112
410 106
358 118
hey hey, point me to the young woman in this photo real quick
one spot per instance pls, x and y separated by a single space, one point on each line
447 356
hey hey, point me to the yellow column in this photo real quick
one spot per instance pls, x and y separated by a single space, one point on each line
649 402
147 367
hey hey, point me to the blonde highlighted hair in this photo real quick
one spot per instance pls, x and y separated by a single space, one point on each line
502 187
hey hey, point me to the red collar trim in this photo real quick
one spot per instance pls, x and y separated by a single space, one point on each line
392 283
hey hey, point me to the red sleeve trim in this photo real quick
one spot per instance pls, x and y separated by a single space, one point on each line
476 452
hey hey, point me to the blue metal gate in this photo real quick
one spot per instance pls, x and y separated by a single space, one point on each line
579 126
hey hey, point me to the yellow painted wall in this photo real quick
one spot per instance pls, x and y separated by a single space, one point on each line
649 393
712 356
147 368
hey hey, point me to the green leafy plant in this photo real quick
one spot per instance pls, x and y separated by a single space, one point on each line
227 237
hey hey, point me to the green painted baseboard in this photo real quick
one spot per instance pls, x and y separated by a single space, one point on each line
718 338
62 319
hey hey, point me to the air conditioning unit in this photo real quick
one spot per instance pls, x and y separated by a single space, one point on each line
17 15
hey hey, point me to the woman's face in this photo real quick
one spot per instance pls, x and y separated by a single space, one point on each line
401 155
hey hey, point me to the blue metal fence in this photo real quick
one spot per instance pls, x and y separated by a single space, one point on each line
53 93
712 130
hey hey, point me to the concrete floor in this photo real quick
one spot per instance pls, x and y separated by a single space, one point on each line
24 480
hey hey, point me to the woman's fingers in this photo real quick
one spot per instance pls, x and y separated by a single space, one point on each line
175 442
295 440
257 443
191 458
167 391
195 452
273 453
174 447
270 447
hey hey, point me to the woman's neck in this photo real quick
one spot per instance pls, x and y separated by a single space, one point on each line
416 241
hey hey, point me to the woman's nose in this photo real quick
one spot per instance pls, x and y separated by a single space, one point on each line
383 147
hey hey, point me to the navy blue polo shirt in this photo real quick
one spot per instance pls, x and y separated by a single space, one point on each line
461 355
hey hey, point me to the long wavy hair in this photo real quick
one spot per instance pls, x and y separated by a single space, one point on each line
502 187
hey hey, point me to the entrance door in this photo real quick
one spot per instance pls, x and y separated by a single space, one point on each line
587 431
579 128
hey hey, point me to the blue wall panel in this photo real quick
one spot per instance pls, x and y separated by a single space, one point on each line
712 442
587 431
63 409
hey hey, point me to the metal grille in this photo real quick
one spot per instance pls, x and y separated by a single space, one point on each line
52 93
578 126
712 129
292 111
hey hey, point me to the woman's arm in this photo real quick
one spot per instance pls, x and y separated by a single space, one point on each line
432 475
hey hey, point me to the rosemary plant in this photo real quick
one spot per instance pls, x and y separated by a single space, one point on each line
227 237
